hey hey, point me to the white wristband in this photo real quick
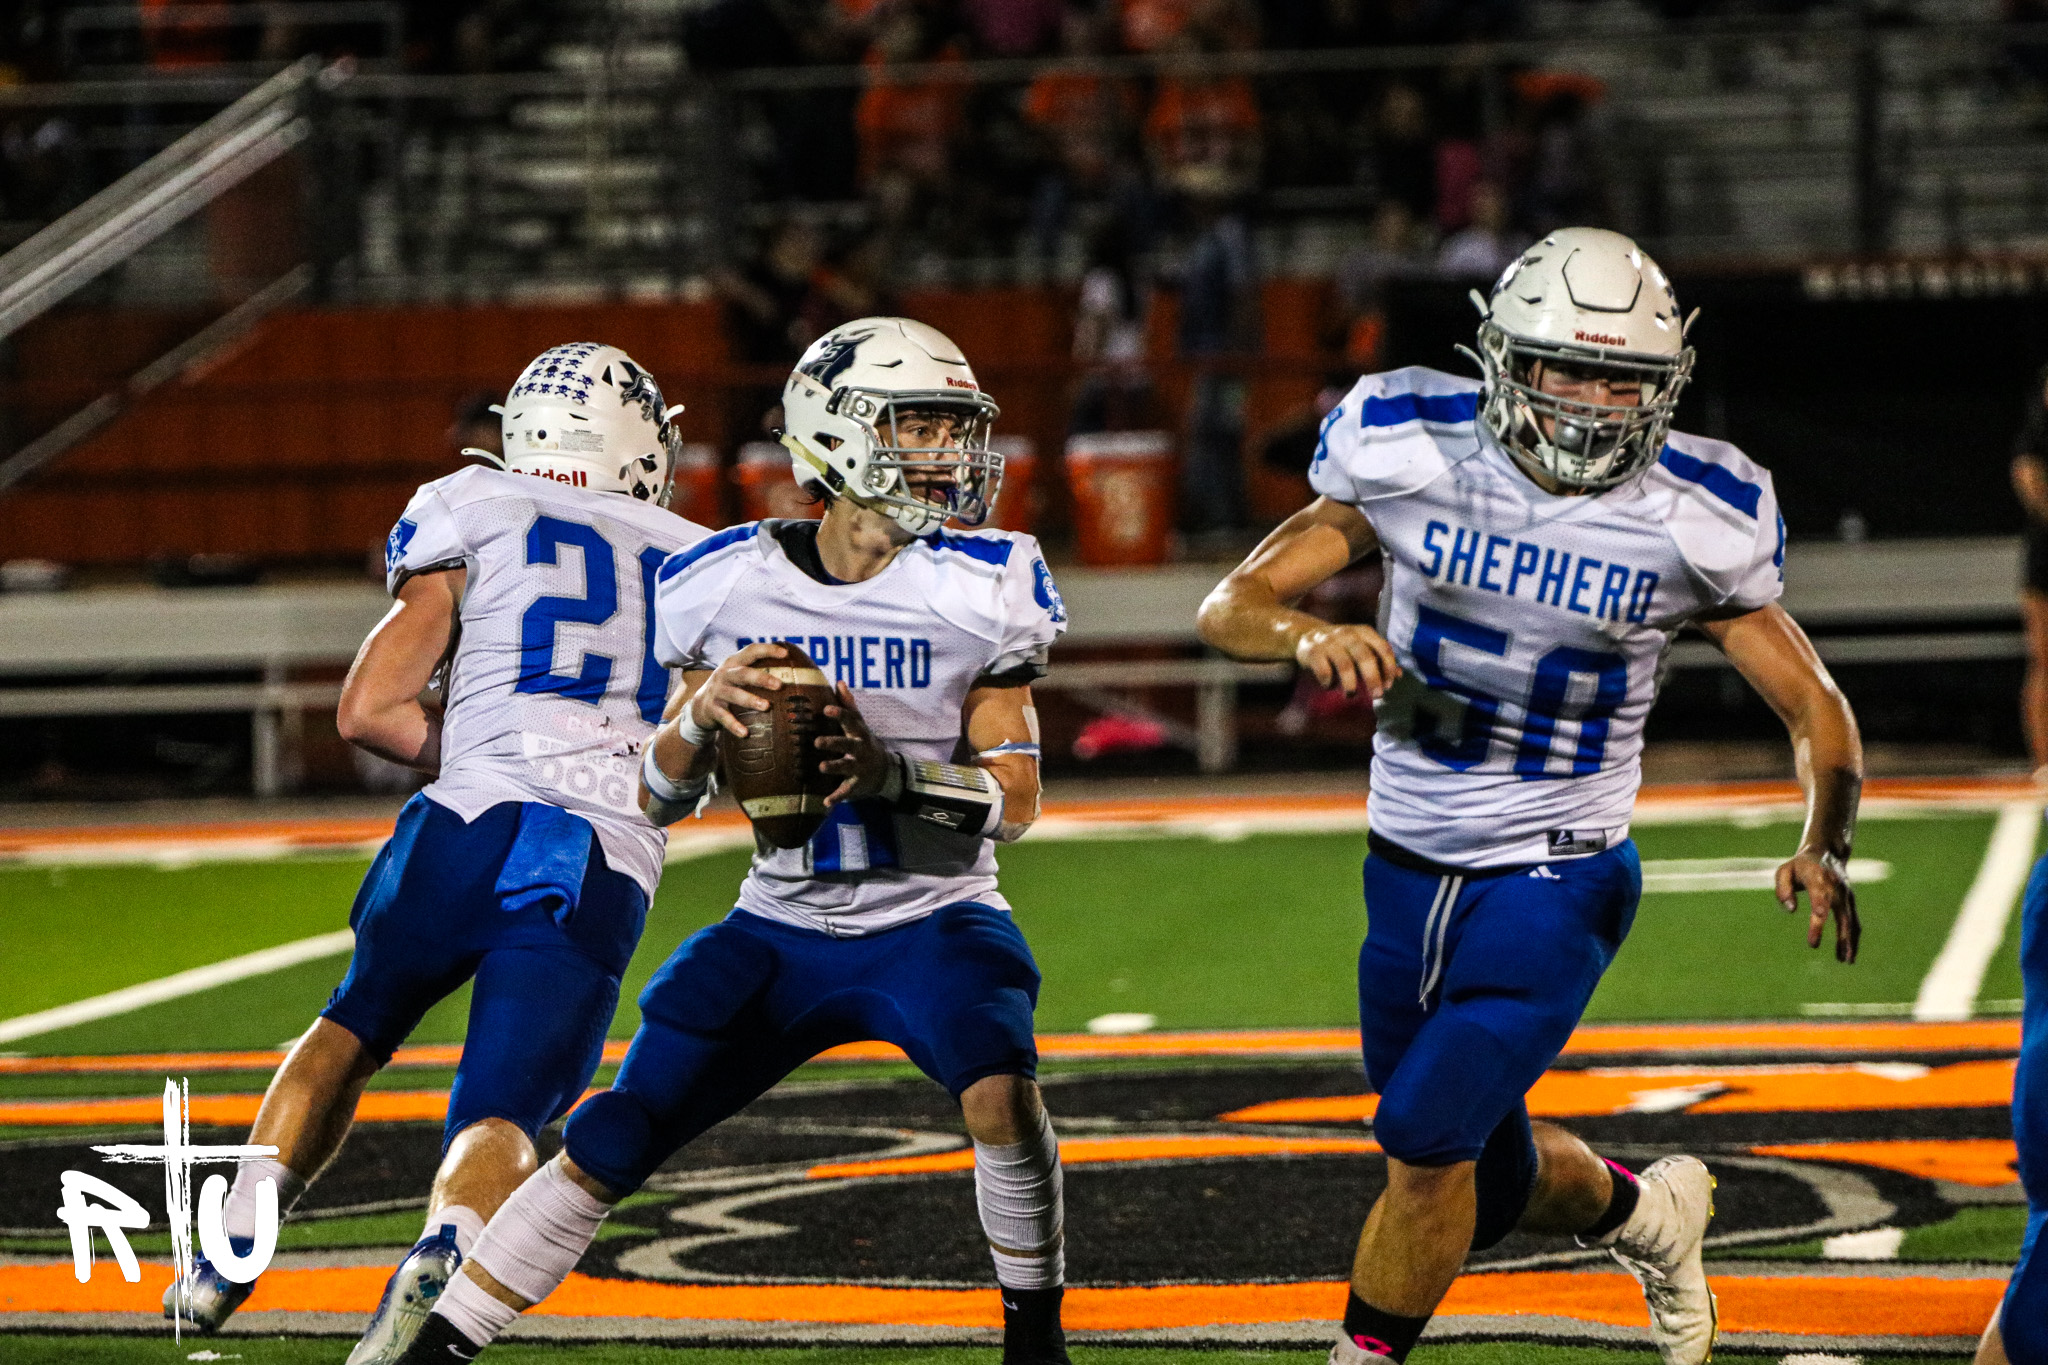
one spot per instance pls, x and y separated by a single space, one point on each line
659 782
690 732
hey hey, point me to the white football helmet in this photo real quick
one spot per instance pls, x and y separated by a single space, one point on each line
586 414
839 412
1590 300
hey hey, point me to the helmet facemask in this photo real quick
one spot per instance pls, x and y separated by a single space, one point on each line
1577 443
918 486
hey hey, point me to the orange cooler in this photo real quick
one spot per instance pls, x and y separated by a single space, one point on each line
1122 483
698 486
767 488
1014 510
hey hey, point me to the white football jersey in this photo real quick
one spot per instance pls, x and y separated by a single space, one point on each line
1529 626
950 609
554 684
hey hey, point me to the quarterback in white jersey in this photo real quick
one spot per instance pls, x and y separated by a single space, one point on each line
526 865
1544 534
887 924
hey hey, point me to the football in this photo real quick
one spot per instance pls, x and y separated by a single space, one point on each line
773 772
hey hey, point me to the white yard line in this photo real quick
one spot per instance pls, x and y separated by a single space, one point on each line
179 984
1951 985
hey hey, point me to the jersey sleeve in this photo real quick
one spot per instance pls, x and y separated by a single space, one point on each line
1388 436
1762 580
690 587
1722 511
427 537
1033 615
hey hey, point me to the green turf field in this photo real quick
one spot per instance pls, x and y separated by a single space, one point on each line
1256 932
1260 931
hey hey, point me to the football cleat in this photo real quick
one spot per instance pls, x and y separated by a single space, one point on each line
1660 1246
409 1297
438 1342
210 1297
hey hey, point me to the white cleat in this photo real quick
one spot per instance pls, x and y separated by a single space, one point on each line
409 1296
209 1297
1660 1246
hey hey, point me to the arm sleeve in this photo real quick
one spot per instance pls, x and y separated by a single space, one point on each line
1033 616
1761 581
425 538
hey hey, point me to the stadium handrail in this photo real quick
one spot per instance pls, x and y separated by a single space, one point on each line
154 197
78 653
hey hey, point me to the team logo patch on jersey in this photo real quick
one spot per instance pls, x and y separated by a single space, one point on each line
1046 591
394 545
1568 843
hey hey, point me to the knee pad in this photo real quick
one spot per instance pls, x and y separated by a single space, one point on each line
1506 1177
613 1138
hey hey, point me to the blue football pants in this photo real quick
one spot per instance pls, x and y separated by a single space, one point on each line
429 917
746 1001
1469 985
2023 1316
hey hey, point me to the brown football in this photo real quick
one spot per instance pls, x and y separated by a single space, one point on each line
773 772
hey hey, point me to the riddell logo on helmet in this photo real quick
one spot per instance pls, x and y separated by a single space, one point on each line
576 477
1600 338
953 383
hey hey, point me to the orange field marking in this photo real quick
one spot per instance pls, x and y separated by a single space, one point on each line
1984 1162
228 1111
1816 1088
1838 1036
1798 1305
319 832
1079 1151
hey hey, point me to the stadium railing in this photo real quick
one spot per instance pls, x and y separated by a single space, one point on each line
91 652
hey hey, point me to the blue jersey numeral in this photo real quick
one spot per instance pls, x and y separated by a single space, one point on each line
598 604
1475 735
1550 700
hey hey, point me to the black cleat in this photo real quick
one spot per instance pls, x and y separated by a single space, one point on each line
438 1343
1031 1327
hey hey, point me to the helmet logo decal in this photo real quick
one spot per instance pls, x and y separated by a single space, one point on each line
834 357
1600 338
953 383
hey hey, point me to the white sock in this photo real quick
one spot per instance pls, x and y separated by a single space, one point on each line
468 1224
475 1313
1018 1192
538 1235
238 1214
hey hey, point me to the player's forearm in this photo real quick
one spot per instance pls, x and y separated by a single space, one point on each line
1828 753
676 771
404 732
1017 774
1245 619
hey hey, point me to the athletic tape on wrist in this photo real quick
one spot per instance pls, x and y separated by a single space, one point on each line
690 732
664 787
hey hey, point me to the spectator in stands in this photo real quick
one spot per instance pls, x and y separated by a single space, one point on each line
1564 183
1483 247
781 298
1403 158
1087 122
1013 28
477 426
1111 324
908 125
1218 326
1358 322
815 150
2030 482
